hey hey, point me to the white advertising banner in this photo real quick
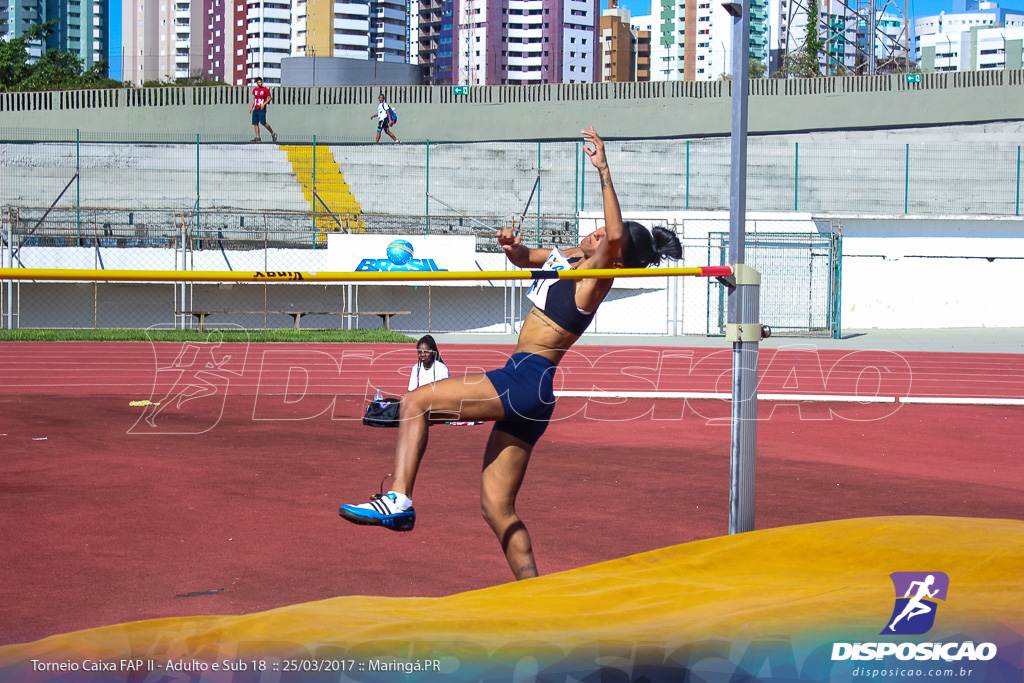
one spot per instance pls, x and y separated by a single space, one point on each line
404 253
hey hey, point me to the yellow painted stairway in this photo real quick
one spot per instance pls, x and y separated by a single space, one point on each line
330 186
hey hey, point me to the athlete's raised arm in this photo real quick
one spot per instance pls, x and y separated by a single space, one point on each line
610 247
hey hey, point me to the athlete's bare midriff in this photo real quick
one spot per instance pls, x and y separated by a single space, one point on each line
542 336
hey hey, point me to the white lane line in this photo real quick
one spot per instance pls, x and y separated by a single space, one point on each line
831 398
963 400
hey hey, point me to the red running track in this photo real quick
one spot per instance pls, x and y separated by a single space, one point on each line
224 501
82 368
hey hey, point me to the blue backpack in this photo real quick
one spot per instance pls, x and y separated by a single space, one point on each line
393 115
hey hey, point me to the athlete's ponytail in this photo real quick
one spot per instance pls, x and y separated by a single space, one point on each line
642 248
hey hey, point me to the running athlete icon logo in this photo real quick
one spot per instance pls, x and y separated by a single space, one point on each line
916 595
191 383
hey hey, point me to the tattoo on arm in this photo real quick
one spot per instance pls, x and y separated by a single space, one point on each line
606 178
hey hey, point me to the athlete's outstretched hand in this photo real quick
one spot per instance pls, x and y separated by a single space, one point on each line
508 239
590 137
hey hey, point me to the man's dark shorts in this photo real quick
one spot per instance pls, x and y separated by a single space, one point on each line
384 125
259 116
526 388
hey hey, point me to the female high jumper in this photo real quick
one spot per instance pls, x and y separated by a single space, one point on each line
519 398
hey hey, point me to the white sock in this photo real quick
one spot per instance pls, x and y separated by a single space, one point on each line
403 501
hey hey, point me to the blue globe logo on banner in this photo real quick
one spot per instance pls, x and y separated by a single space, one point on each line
400 252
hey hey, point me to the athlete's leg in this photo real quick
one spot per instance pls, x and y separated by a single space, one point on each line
505 464
471 397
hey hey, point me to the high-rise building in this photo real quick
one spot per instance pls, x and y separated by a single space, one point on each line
692 39
976 35
426 19
82 27
618 45
19 16
625 46
149 38
357 29
490 42
184 39
643 54
268 39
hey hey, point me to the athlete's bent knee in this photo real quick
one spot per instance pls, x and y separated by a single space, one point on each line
498 517
414 405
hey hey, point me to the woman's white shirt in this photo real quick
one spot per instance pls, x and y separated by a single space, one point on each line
421 375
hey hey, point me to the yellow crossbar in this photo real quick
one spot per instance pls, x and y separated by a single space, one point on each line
64 274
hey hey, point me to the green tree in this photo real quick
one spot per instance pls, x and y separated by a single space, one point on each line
805 62
54 70
14 57
813 44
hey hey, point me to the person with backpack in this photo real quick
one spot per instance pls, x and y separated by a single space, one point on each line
385 118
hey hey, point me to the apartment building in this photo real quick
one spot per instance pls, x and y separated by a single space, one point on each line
19 16
375 30
82 27
618 45
974 36
169 40
495 42
692 39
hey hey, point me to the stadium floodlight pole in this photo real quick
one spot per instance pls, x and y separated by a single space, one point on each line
742 326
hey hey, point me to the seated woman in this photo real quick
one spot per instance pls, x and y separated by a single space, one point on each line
429 368
519 398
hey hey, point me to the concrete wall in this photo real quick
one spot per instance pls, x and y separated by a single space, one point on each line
542 112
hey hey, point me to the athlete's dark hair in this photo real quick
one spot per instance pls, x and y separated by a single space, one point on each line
642 248
428 341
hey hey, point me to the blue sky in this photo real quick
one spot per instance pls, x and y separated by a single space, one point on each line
914 7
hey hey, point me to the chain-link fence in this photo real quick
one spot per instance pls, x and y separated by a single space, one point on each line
110 240
800 281
110 202
350 183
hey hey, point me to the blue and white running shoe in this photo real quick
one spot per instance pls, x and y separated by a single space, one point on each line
382 510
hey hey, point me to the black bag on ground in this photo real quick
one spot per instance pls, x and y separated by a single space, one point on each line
383 412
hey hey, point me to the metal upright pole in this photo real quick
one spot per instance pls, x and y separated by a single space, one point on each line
427 193
872 30
742 328
9 262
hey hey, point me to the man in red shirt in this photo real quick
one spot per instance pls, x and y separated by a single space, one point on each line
261 97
